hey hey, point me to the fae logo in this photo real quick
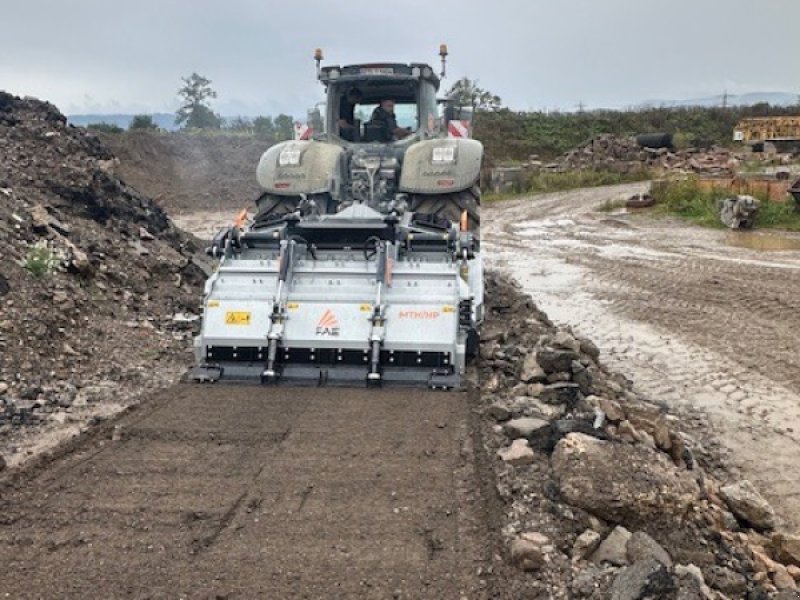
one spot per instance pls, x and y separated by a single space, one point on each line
328 324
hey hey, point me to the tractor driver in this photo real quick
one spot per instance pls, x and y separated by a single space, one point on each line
347 114
384 115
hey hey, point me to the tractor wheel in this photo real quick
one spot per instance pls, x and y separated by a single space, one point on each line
450 206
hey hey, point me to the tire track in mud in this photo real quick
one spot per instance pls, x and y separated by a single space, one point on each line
695 323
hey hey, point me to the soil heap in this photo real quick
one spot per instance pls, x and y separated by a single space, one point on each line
95 282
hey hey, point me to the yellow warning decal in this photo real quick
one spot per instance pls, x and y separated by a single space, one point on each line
448 309
366 307
292 306
213 303
237 318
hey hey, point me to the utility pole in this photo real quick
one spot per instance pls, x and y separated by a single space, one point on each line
725 99
581 107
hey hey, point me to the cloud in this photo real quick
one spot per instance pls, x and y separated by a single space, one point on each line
94 55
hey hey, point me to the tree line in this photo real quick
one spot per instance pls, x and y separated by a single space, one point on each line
196 113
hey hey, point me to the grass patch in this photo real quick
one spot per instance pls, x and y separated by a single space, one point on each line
569 180
687 199
42 260
547 183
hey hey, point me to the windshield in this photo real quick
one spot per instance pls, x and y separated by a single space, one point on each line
405 114
354 113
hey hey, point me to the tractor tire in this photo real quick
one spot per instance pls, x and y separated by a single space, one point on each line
451 206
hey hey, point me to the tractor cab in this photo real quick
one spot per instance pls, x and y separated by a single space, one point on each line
354 92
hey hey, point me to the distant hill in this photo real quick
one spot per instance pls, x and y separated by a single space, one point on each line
163 120
772 98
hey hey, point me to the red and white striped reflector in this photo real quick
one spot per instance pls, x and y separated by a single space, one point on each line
458 129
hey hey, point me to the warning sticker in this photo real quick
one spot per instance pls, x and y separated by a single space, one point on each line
237 318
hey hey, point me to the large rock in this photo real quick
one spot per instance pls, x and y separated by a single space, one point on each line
517 454
641 546
739 212
613 549
560 393
556 361
652 421
531 371
748 505
621 483
646 578
525 427
787 548
585 544
527 554
727 581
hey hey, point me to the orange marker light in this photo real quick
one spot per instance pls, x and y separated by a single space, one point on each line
240 219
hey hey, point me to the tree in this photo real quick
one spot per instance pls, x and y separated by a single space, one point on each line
196 113
279 129
240 124
104 127
465 92
264 127
142 122
284 128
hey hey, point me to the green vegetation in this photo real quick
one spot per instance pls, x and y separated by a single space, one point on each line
510 135
196 113
105 128
41 260
570 180
544 183
465 92
142 123
687 199
279 129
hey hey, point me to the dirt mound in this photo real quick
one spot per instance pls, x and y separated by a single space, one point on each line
604 494
93 273
190 172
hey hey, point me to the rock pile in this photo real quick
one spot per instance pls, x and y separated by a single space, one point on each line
623 154
604 496
92 274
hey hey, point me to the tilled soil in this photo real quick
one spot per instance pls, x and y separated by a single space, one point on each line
245 492
696 319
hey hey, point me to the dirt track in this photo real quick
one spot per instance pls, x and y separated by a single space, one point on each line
242 492
693 317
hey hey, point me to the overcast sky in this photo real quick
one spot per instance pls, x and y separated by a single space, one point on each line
114 56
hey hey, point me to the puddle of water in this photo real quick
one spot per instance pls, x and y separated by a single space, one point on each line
768 242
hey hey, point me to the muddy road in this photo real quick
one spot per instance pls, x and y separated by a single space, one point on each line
700 319
245 492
